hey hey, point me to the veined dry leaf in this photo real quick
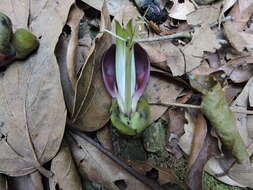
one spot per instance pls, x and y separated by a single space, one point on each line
181 9
65 176
203 40
32 108
3 182
32 181
241 12
96 166
113 5
160 89
92 103
217 110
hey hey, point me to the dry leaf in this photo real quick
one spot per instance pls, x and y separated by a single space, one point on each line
3 182
65 172
96 166
181 9
227 4
163 175
29 182
113 5
105 138
92 103
32 104
75 16
160 89
198 141
203 40
241 12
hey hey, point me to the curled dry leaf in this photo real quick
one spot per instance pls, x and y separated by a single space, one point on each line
160 89
96 166
28 182
65 172
180 10
92 103
75 16
32 104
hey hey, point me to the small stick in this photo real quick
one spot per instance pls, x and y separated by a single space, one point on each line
249 112
186 34
152 184
114 35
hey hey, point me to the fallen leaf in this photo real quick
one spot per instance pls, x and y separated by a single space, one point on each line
3 182
93 164
180 10
163 175
113 5
203 40
105 138
31 95
92 103
216 109
28 182
239 69
65 172
241 12
227 4
198 141
75 16
160 89
176 130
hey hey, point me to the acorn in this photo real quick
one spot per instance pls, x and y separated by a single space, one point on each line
7 52
24 43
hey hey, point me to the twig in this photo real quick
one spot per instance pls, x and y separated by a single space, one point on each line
249 112
186 34
152 184
227 18
195 4
114 35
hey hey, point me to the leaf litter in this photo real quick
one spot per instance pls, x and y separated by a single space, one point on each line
40 98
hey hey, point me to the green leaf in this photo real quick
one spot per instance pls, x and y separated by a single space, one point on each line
217 110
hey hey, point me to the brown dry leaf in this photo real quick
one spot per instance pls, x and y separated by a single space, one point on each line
29 182
65 172
75 16
160 89
105 138
195 173
92 102
241 12
3 182
113 5
31 95
98 167
203 40
239 69
199 135
180 10
164 175
176 130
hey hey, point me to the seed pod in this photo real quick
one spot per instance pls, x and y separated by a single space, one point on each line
24 43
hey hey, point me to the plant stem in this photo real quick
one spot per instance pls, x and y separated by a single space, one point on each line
186 34
114 35
249 112
152 184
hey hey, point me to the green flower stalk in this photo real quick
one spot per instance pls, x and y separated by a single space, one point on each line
126 70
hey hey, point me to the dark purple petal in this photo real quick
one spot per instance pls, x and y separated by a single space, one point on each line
142 65
108 71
